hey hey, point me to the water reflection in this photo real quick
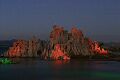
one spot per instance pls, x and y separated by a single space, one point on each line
36 69
61 62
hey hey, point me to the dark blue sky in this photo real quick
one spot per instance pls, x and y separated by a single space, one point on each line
99 19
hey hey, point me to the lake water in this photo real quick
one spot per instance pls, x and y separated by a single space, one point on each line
36 69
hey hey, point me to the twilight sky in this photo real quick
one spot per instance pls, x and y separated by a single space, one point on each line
99 19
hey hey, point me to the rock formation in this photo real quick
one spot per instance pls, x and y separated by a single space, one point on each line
73 43
24 48
58 53
100 50
62 44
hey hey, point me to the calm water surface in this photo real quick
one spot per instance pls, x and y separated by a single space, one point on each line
36 69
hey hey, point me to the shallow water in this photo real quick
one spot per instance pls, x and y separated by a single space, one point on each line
36 69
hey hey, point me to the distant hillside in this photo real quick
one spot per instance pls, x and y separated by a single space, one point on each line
5 44
113 46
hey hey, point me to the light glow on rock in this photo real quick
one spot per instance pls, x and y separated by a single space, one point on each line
100 50
59 54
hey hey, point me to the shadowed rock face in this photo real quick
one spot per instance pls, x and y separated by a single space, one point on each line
62 44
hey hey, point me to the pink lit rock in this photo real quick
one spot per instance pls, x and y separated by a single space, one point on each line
57 53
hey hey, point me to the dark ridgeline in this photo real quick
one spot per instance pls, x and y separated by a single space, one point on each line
5 44
72 43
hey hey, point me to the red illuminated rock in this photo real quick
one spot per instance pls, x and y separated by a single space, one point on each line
74 42
23 48
58 53
100 50
18 49
62 44
76 34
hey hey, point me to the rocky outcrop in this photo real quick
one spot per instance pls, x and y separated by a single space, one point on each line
24 48
62 44
59 54
72 42
99 49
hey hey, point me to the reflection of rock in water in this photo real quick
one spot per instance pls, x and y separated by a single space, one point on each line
72 43
59 63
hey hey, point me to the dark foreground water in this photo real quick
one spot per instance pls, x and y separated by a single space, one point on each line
36 69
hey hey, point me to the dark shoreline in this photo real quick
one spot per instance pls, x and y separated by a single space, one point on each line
79 59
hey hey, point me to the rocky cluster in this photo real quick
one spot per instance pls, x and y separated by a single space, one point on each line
74 43
61 44
25 48
59 54
99 49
